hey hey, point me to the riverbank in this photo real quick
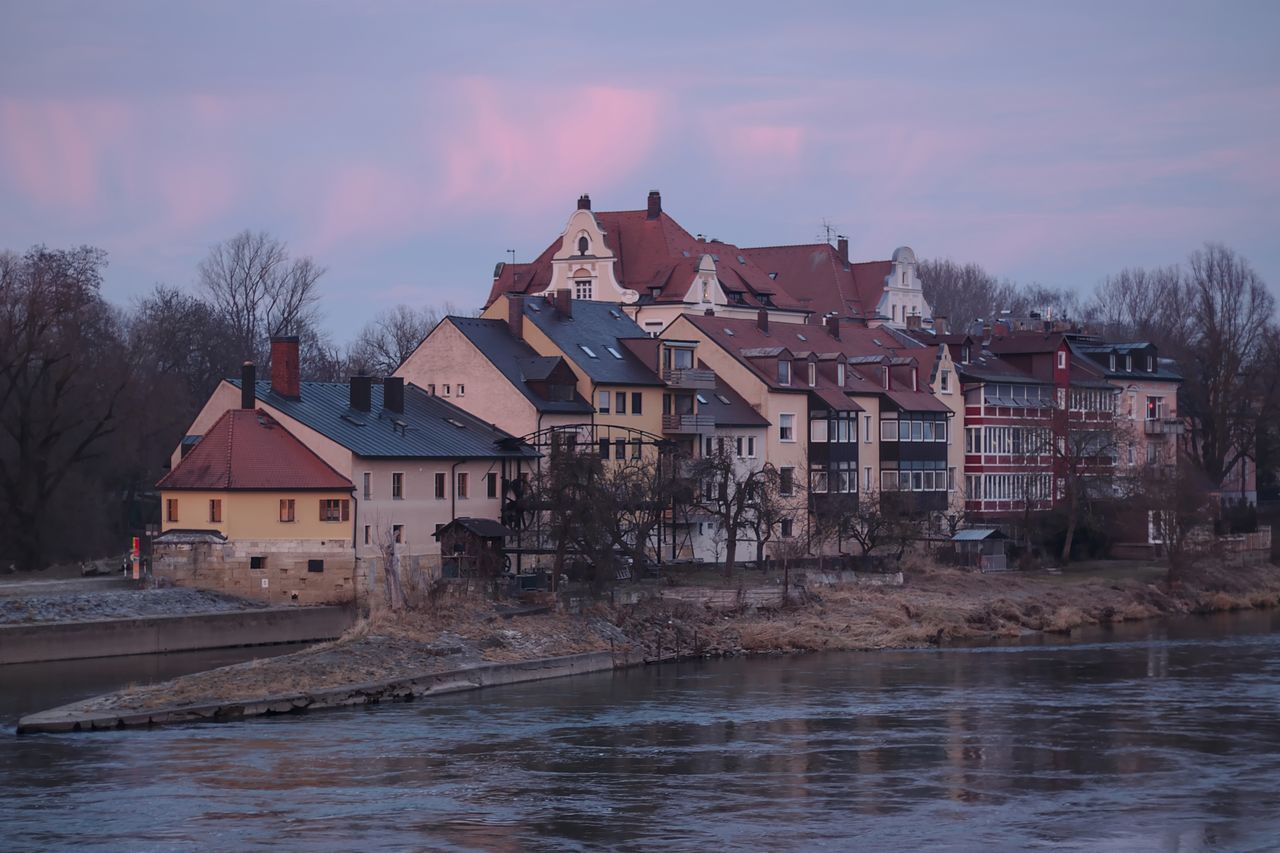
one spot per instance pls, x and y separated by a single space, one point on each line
460 634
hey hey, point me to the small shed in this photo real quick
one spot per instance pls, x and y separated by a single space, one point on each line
473 547
982 548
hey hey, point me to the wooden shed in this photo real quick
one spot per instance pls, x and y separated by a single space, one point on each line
982 548
473 547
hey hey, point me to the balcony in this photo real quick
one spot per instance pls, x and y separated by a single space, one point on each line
1162 426
689 377
688 424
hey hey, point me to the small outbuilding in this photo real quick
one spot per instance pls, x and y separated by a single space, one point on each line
982 548
473 547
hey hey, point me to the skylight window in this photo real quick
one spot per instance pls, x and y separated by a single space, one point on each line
613 352
459 424
702 399
876 341
729 332
723 399
587 350
614 314
801 337
741 259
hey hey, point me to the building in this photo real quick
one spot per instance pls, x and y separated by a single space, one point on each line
251 511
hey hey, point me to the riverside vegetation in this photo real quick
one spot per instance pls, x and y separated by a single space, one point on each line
453 628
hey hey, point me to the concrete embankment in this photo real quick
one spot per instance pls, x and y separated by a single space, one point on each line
78 717
48 641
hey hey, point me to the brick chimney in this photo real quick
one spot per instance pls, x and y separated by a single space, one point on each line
762 320
286 379
361 393
584 202
248 386
515 316
842 248
564 303
710 312
833 326
940 325
913 321
393 394
655 205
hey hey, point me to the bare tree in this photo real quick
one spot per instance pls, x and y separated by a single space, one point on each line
253 283
730 491
63 369
962 292
391 337
1176 499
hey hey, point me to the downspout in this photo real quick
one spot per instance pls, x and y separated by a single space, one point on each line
355 551
453 491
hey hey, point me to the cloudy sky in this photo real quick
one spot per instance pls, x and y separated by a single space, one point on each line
408 145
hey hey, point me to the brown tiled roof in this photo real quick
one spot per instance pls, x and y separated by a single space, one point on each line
817 277
247 449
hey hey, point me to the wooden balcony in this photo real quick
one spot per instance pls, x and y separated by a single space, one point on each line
1162 426
688 424
691 378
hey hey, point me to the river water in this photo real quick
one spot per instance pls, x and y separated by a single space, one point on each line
1162 736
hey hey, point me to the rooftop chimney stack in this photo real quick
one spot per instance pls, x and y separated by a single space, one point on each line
655 205
913 321
286 379
833 326
393 394
940 325
248 386
762 320
564 303
842 247
361 393
584 202
515 316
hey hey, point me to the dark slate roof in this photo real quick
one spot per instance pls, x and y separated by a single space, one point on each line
484 527
433 427
737 412
596 325
248 450
517 361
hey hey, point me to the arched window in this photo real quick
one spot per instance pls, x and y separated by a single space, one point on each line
583 245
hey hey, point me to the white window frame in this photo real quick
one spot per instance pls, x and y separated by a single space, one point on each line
787 421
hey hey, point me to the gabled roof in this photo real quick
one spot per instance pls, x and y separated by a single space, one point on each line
729 408
486 528
517 361
248 450
599 327
429 428
817 278
653 253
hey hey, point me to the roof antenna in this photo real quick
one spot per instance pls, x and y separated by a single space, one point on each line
512 253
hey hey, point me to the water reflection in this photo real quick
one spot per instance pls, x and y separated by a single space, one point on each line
1159 738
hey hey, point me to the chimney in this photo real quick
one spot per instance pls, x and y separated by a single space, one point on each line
1000 330
393 394
913 321
710 312
248 385
842 247
833 326
762 320
285 376
655 205
361 393
940 325
515 316
564 303
584 202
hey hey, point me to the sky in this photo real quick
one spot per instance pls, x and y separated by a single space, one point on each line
407 146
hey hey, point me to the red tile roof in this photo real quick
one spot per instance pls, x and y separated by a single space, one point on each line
817 277
653 253
247 449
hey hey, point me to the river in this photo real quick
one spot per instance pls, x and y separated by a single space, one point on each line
1159 736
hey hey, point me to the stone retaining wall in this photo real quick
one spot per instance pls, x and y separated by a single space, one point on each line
286 575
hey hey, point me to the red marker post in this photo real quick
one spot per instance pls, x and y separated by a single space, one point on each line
135 557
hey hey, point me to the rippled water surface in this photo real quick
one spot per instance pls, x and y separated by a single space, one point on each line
1159 737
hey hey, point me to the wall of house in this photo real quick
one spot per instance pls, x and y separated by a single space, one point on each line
1131 411
954 400
706 539
285 576
655 318
256 515
448 357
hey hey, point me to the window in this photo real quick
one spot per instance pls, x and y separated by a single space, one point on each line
604 448
866 431
397 534
431 389
818 430
951 479
888 430
1155 408
491 485
602 402
447 389
171 509
784 373
440 485
461 488
257 562
866 478
397 486
1151 453
1151 364
635 402
620 448
1111 362
215 511
818 482
368 532
840 374
944 382
787 528
786 427
315 565
287 510
786 480
813 374
335 510
751 447
635 448
368 484
1062 359
582 290
588 350
1128 363
583 245
888 481
613 352
462 389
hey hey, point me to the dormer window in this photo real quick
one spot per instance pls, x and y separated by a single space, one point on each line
582 289
840 374
1062 359
583 245
1151 364
1111 362
784 373
1128 363
813 374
